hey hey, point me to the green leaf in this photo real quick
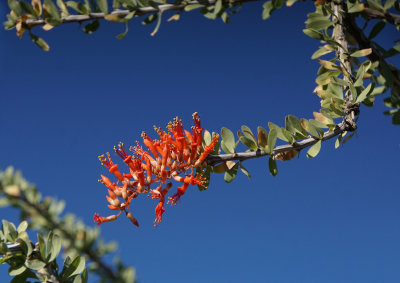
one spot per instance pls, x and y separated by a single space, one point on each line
355 8
77 6
376 5
314 34
218 7
55 247
262 136
228 140
63 7
128 275
193 6
39 42
278 131
310 128
230 175
122 35
388 4
378 90
268 8
225 18
3 246
248 133
273 169
220 168
159 17
22 226
15 7
88 4
16 270
35 264
376 29
103 6
74 268
27 8
42 246
48 246
361 53
151 18
91 27
322 119
293 125
272 136
365 93
9 230
289 3
3 202
4 259
207 137
347 138
288 136
318 23
278 3
77 279
396 118
314 150
244 170
248 142
320 52
84 276
339 139
51 13
25 243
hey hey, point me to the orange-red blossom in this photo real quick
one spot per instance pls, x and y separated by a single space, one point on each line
170 158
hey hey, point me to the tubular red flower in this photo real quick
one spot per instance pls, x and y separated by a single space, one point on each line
100 219
112 168
173 156
197 128
207 150
159 212
148 142
193 151
180 192
189 136
107 182
123 153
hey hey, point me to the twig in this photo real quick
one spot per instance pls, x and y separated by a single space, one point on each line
365 43
215 159
343 52
374 14
122 13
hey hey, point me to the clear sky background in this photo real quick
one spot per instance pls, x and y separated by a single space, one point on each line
334 218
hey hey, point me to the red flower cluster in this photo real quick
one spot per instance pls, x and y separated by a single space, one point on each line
171 157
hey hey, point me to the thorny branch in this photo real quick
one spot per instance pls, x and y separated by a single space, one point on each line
374 14
215 159
343 53
365 43
351 110
139 12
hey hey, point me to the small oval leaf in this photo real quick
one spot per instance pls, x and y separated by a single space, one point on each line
314 150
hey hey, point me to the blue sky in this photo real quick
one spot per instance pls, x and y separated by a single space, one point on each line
329 219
